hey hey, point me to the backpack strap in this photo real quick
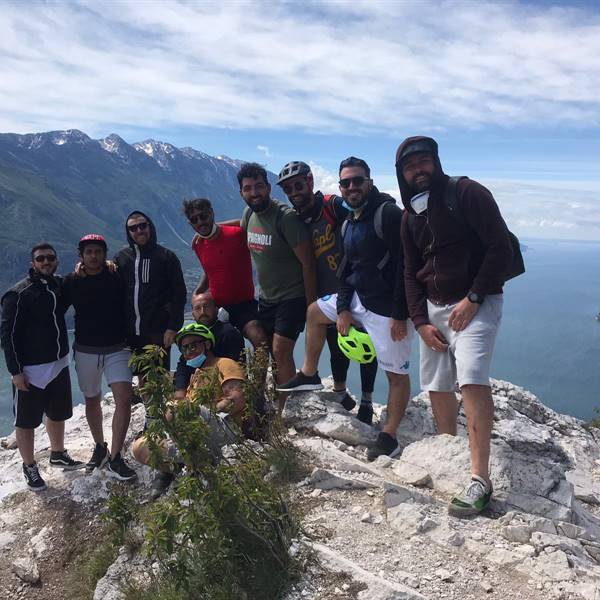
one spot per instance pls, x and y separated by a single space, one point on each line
328 209
451 199
245 218
378 224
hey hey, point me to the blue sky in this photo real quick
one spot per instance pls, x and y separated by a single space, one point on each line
509 89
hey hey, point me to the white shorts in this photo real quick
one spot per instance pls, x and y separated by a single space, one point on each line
90 368
469 354
392 356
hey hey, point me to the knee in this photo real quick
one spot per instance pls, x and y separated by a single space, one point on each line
397 379
140 452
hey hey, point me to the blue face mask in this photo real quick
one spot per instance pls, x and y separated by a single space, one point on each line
352 208
197 361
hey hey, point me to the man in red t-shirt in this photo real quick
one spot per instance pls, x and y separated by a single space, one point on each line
223 253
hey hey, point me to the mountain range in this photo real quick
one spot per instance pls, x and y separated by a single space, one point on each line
60 185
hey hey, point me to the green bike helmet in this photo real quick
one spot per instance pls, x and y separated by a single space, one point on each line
357 345
195 329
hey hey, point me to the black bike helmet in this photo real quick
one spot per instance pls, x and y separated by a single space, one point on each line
296 167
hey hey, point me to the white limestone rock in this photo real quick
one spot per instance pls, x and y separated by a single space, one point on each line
326 480
26 569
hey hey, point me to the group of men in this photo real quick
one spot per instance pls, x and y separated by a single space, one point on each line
329 262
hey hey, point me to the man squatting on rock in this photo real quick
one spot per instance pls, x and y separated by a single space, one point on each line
454 275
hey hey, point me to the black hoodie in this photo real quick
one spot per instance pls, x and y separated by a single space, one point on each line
380 287
445 259
155 288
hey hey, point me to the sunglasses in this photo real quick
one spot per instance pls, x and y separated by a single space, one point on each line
40 258
297 186
194 219
191 347
138 227
357 181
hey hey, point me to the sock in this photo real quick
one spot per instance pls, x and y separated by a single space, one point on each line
339 394
367 398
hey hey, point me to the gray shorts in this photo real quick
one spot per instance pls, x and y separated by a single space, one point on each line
91 367
469 356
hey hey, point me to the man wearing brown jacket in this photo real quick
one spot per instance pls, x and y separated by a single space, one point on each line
457 254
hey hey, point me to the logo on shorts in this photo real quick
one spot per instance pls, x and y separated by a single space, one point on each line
325 298
405 365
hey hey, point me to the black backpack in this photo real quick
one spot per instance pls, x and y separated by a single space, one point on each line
517 266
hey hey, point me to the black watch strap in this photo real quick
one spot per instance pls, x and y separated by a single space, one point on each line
475 297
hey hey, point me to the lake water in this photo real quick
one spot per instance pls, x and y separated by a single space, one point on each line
549 341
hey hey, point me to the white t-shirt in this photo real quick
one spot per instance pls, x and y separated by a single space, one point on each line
42 375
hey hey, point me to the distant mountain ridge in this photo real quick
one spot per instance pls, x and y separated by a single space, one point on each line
59 185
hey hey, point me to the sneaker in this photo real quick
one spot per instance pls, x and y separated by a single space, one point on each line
301 382
160 484
473 499
385 445
365 413
62 459
99 458
348 402
33 478
119 469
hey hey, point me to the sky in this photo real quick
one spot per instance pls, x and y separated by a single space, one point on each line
510 90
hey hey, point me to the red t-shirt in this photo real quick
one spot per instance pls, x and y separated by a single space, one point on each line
226 262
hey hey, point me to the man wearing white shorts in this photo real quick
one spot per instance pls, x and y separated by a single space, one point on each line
458 254
371 295
98 297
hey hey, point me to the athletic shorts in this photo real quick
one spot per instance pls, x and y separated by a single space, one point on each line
138 342
286 318
55 401
90 368
469 355
242 313
393 357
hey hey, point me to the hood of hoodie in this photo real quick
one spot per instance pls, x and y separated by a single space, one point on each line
412 145
152 241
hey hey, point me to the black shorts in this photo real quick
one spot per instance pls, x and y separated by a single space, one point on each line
138 342
285 318
242 313
55 400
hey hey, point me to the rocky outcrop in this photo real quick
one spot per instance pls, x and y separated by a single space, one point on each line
385 524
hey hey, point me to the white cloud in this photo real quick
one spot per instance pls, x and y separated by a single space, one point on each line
264 150
368 66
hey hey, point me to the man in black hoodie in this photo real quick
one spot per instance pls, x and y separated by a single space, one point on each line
371 295
155 288
457 255
36 347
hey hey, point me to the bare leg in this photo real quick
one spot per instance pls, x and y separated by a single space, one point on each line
316 333
479 409
254 332
25 439
283 355
444 406
398 396
93 414
120 423
56 433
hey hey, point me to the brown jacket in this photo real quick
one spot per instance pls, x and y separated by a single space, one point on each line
445 259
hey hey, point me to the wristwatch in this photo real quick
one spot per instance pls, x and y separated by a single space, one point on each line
475 297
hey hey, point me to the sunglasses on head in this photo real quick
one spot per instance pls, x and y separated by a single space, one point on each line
138 227
357 181
191 347
297 186
199 217
42 257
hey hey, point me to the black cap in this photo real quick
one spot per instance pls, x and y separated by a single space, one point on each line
422 145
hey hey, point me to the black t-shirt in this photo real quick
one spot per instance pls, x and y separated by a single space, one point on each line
229 343
99 302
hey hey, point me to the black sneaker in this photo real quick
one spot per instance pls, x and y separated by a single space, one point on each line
365 413
348 402
99 458
119 469
385 445
33 478
160 484
301 382
63 460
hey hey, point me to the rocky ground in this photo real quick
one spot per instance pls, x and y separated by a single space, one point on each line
381 530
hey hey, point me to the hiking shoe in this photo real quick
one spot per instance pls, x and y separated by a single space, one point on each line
348 402
161 483
33 478
473 499
301 382
62 459
99 458
119 469
365 413
385 445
